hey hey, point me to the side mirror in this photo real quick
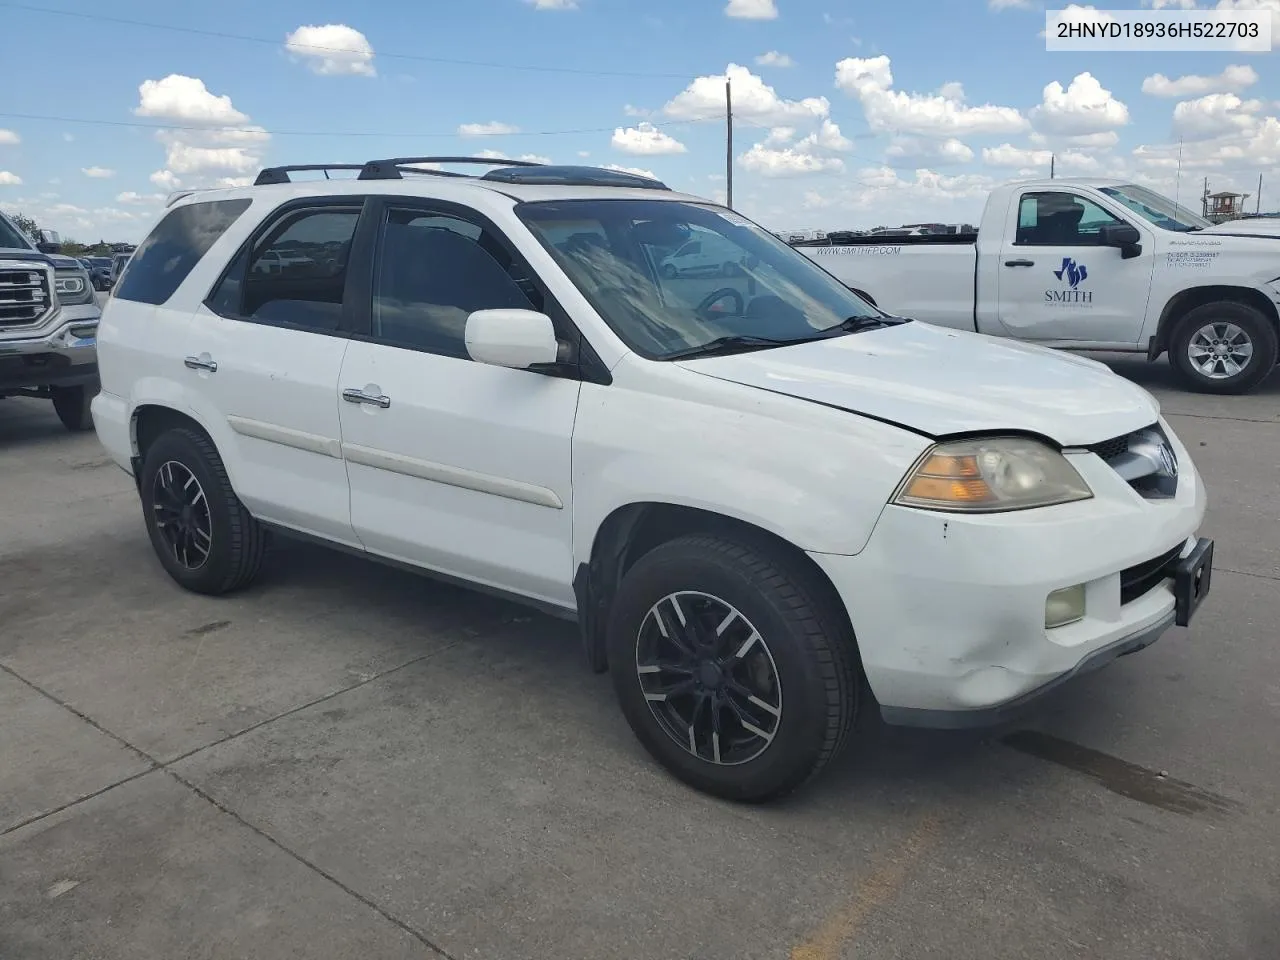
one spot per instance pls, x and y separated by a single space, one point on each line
1122 235
519 339
49 241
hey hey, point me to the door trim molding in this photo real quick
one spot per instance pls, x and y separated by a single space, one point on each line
287 436
453 476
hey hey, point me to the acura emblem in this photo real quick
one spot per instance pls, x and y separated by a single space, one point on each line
1168 461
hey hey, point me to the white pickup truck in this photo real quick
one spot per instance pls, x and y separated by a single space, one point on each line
1087 264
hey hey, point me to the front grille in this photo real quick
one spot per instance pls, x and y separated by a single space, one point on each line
25 295
1145 577
1110 449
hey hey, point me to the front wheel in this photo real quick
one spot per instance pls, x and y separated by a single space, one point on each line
729 667
669 271
204 536
72 405
1224 347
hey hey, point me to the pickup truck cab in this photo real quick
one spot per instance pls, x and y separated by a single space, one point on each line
48 325
761 499
1088 264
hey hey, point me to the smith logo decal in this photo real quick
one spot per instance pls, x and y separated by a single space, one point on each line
1072 273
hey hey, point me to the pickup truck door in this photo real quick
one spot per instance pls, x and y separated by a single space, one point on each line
457 466
1057 282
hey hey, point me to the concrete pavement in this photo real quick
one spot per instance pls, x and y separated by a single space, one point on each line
351 761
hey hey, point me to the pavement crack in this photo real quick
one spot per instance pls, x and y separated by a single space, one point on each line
1212 416
316 868
35 818
1248 573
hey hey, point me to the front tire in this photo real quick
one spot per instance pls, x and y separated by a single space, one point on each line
72 405
1224 347
204 536
730 668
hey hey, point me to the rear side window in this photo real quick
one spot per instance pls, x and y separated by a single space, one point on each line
174 247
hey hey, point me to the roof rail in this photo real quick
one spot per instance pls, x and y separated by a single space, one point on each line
575 176
281 174
390 169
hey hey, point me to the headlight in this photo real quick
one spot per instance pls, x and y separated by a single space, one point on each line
989 475
73 287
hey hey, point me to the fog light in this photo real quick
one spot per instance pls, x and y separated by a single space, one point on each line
1064 606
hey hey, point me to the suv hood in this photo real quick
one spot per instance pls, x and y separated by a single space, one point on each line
939 381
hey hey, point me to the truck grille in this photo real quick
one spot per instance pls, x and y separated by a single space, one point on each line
26 296
1144 459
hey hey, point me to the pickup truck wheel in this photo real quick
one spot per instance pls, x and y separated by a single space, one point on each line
72 406
205 538
728 667
1224 347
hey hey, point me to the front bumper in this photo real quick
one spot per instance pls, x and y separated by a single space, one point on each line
949 609
62 354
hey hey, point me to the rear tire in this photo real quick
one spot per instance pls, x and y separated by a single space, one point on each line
1224 347
757 632
203 535
72 405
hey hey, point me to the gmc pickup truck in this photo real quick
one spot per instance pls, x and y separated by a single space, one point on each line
1087 264
48 325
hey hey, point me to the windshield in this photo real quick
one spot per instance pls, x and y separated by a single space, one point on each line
11 238
670 277
1156 209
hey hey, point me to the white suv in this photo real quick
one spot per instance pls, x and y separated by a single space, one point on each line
762 499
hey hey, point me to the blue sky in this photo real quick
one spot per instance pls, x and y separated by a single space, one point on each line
866 113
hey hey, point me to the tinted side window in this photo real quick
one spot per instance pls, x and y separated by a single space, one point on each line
1060 219
158 267
433 271
294 274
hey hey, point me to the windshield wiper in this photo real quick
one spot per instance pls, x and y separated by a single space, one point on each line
860 323
734 343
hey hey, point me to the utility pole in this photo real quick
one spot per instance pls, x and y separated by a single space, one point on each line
1258 205
1053 162
728 143
1177 183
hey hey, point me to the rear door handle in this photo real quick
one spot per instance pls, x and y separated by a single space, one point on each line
1019 263
352 395
201 363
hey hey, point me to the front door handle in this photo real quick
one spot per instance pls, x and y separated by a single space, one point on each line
1019 263
201 363
352 395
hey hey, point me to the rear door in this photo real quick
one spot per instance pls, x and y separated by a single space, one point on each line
263 355
1057 281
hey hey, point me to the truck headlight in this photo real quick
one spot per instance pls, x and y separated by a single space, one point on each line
989 475
73 287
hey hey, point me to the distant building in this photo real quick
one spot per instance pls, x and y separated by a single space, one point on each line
1222 206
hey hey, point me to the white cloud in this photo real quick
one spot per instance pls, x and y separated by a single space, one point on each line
774 59
553 4
97 173
186 100
1215 115
333 49
952 91
919 151
871 80
787 162
1007 155
8 179
113 214
584 153
499 155
9 137
69 137
631 111
1233 79
131 196
224 141
1170 4
780 135
827 137
494 128
638 171
646 140
752 10
1084 107
753 99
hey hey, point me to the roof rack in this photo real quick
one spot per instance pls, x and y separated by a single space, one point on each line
281 174
390 169
577 176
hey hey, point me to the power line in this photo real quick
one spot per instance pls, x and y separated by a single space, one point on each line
325 133
274 41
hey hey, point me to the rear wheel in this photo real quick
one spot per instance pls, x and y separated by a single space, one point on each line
203 535
730 668
72 405
1224 347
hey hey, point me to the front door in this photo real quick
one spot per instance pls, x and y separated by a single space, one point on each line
454 465
1057 282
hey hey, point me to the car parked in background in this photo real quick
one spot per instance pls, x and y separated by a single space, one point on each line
704 254
118 263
